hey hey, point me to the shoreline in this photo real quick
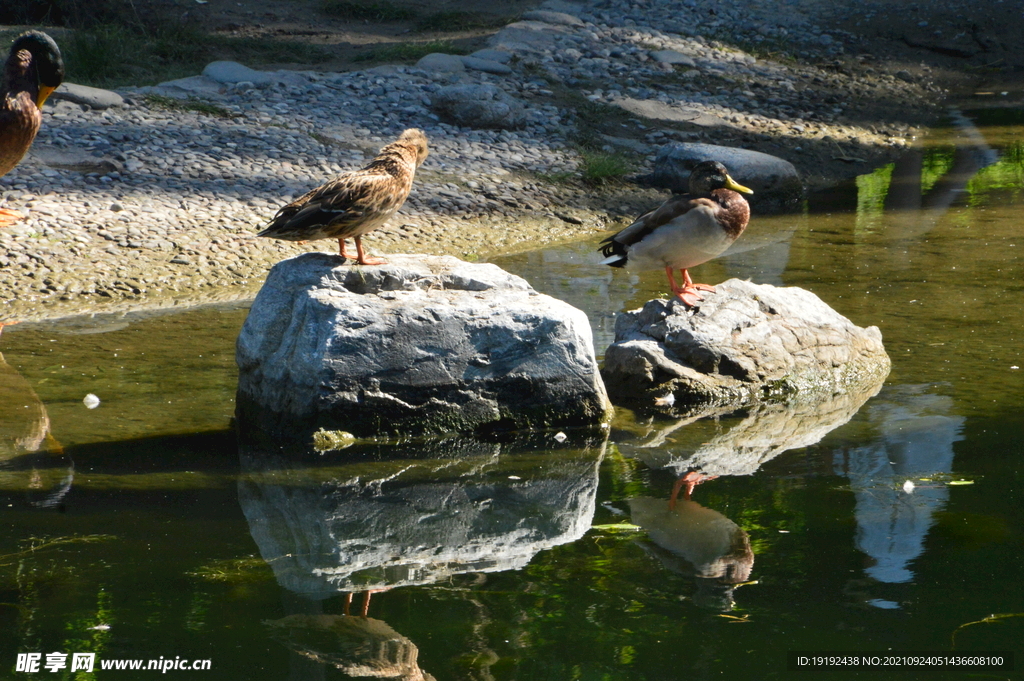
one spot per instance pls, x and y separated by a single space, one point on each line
169 210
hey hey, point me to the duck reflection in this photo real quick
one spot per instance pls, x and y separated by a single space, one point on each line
689 538
696 541
30 458
915 439
357 646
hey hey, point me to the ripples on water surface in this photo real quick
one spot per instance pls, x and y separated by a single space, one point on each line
141 528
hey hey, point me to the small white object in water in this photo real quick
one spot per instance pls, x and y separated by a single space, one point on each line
1015 367
561 437
908 487
514 477
666 401
91 401
100 627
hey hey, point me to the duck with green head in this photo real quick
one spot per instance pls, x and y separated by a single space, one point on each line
34 69
685 231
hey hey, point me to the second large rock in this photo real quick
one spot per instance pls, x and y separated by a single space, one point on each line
745 344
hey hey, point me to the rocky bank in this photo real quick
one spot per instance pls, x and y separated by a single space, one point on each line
155 200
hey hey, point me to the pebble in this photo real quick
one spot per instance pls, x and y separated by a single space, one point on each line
177 208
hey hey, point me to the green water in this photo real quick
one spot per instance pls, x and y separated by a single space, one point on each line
143 528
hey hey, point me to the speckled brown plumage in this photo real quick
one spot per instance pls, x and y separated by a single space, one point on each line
33 70
355 203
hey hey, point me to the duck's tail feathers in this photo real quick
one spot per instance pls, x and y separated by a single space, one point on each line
615 252
614 261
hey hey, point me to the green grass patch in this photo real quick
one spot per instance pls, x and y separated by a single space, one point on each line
110 55
560 177
190 104
603 167
366 11
456 20
408 52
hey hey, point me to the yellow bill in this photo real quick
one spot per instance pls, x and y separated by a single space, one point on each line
736 186
44 92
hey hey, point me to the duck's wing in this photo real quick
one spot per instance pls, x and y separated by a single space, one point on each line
342 204
616 245
19 123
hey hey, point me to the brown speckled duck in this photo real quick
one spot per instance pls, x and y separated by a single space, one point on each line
355 203
34 69
685 231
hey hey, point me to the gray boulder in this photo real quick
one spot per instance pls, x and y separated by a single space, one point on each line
438 62
529 37
184 88
745 344
549 17
500 56
421 345
673 57
775 181
233 72
74 158
662 111
93 97
486 65
479 106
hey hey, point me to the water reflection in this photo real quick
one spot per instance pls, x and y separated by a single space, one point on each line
358 646
700 542
727 444
386 516
908 198
915 438
31 460
687 537
376 517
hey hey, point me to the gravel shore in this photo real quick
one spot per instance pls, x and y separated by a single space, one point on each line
165 207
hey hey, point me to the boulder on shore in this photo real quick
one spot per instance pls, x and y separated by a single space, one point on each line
744 344
479 106
422 345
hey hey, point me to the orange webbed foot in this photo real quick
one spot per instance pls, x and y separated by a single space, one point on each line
689 296
364 259
9 217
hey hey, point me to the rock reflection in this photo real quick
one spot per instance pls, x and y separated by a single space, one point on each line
374 517
714 446
915 439
31 460
693 540
689 538
386 516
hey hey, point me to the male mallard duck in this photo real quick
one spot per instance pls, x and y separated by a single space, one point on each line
352 204
34 69
685 231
